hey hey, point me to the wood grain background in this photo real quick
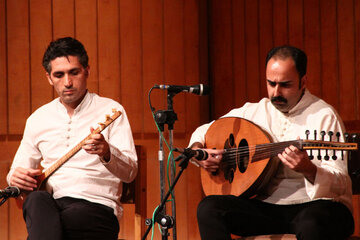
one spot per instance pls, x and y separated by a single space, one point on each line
134 44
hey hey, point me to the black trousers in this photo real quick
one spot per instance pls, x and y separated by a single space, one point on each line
68 219
218 216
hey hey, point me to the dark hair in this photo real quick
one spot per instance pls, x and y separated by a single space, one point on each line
296 54
64 47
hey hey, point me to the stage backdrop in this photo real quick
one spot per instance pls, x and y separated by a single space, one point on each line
135 44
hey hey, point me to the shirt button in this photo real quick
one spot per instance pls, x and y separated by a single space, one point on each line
68 137
69 129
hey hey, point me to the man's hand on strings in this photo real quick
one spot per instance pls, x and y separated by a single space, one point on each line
24 178
97 145
211 164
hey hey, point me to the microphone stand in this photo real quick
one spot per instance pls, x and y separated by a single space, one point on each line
166 221
168 117
3 200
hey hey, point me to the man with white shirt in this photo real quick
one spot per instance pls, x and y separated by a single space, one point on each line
82 200
309 198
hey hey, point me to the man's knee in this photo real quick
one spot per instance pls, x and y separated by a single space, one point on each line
37 197
207 206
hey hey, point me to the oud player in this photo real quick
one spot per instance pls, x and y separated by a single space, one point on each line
306 196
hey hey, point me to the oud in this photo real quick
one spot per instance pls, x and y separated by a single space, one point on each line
247 163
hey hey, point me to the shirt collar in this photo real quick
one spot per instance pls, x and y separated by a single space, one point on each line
304 102
83 104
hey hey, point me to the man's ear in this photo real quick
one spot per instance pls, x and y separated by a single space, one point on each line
303 82
49 79
87 71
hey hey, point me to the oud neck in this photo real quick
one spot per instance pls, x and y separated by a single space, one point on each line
269 150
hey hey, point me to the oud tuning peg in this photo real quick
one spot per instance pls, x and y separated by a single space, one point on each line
338 136
113 110
346 137
108 118
307 133
323 133
353 137
331 133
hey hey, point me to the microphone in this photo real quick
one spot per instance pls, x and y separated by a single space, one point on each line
199 89
199 154
10 192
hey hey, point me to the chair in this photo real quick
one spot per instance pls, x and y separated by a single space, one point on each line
133 199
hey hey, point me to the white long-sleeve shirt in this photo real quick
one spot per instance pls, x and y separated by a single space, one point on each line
287 186
50 133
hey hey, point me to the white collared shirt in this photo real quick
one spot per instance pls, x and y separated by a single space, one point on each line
287 186
50 133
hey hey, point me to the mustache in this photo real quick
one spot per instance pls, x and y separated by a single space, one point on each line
278 99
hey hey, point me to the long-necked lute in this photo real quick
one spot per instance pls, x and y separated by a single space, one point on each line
46 173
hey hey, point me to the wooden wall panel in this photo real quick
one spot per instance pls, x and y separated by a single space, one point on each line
312 45
40 36
4 213
86 30
63 18
134 45
265 32
18 55
252 50
329 53
221 76
131 62
357 59
109 49
280 23
192 71
239 52
174 65
346 51
153 58
326 30
295 18
3 70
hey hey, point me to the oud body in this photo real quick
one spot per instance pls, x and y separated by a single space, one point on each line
248 160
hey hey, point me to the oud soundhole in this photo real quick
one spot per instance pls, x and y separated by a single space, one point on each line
242 158
228 165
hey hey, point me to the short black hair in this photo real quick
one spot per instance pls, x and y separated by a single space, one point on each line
296 54
64 47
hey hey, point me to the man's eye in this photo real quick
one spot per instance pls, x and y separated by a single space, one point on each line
285 85
58 75
273 84
74 72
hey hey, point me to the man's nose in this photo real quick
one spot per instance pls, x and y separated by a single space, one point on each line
277 90
68 81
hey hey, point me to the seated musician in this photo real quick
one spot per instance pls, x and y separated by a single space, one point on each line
82 200
307 196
